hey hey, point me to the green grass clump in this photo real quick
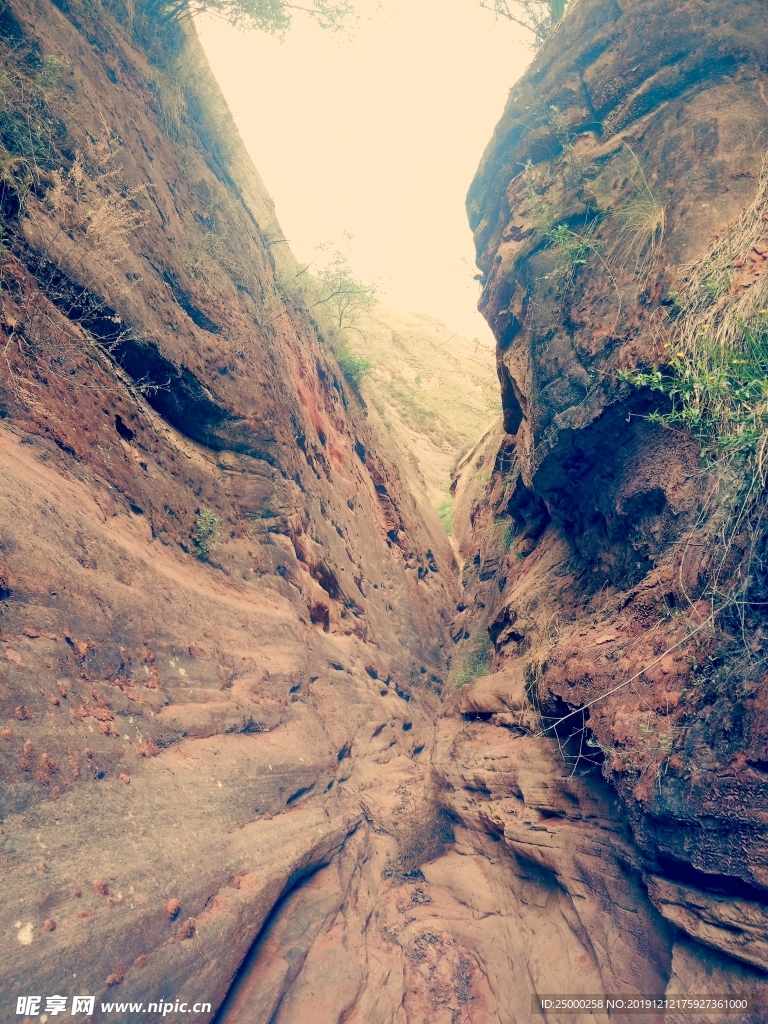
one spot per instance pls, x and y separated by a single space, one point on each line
471 661
207 532
29 128
502 534
571 249
716 377
715 382
718 391
444 510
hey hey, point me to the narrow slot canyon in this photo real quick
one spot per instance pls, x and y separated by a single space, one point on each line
277 748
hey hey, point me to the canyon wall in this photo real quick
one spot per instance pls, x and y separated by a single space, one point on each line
212 577
626 156
249 757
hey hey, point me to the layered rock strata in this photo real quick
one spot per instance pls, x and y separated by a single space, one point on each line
233 769
213 580
586 527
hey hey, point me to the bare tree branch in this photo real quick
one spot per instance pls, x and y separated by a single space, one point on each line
536 16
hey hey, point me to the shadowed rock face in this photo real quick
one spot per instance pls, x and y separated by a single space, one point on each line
231 770
641 131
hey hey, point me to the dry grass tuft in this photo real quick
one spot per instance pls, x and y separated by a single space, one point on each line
422 835
643 223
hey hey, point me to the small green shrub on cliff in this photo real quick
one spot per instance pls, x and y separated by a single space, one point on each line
715 383
445 509
572 251
353 367
719 392
502 534
716 378
207 532
471 660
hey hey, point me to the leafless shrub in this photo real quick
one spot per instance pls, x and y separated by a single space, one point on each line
422 833
538 17
95 211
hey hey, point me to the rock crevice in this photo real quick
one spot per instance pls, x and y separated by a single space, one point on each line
235 766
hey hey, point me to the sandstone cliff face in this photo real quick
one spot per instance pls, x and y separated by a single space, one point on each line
177 728
231 778
584 526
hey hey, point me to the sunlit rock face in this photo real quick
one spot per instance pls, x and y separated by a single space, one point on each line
632 150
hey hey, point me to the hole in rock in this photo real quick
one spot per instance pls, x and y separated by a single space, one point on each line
125 432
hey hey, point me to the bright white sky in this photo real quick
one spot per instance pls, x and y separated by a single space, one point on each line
378 136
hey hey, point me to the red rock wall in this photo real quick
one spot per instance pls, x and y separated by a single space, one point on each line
601 603
236 768
171 723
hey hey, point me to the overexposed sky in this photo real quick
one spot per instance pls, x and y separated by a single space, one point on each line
379 136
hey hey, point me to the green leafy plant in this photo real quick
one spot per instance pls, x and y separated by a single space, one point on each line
715 382
341 294
572 251
207 532
716 376
352 366
719 392
718 284
445 510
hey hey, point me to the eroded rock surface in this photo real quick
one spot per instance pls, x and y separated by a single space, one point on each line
214 581
584 527
233 767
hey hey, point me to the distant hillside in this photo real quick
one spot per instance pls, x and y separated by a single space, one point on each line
434 390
